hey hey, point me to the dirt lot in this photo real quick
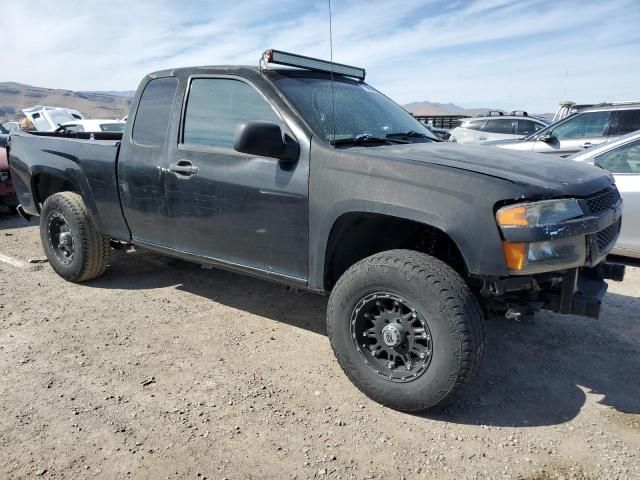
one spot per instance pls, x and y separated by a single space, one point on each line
161 369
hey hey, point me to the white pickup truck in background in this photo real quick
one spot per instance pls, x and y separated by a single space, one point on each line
48 119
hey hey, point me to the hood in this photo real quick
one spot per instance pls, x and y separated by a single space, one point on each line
555 176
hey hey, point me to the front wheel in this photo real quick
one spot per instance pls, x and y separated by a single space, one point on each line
406 330
75 249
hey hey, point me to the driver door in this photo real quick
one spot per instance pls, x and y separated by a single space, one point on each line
230 207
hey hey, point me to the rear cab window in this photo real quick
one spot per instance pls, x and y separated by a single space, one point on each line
154 111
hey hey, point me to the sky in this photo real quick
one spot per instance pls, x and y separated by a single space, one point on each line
510 54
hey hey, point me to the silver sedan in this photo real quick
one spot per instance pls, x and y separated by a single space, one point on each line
622 158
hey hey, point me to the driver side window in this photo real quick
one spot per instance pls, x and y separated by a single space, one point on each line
625 159
590 124
216 106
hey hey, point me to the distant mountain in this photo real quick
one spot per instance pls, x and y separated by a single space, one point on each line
16 96
115 93
434 108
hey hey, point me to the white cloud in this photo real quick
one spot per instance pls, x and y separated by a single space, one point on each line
500 53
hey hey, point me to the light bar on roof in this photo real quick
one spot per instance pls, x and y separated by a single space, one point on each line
300 61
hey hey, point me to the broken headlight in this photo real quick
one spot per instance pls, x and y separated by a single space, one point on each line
545 256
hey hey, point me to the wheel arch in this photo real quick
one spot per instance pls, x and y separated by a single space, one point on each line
402 228
46 181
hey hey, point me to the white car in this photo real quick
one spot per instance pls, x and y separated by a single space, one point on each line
47 119
94 126
490 127
622 158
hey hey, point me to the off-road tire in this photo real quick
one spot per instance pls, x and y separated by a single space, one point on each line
450 309
92 249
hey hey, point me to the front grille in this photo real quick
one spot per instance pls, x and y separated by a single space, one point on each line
603 200
606 237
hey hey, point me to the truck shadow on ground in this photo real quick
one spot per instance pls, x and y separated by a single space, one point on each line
544 372
533 374
145 270
10 220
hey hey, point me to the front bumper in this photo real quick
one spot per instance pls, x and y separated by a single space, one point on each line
582 290
569 289
577 291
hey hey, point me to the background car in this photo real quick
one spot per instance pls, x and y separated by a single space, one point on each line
7 194
11 126
622 158
496 126
4 137
584 129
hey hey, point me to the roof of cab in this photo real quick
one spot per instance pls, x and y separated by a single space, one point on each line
242 71
205 69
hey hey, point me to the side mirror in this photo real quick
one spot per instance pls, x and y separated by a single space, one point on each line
546 137
264 139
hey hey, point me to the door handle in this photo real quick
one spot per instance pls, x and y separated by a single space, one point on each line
482 138
183 167
586 145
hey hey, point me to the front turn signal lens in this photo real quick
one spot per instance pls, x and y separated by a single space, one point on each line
515 255
547 256
515 216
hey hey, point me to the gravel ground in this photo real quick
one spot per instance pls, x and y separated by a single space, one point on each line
161 369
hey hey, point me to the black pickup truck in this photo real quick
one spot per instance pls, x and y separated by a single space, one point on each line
310 177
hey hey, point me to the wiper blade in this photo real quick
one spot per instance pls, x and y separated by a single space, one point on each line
365 139
410 133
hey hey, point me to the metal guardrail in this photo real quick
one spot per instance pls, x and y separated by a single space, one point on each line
441 121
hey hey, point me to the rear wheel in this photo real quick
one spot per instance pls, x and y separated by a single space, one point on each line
406 330
75 249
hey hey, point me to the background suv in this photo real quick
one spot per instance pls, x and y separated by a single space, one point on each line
497 126
584 129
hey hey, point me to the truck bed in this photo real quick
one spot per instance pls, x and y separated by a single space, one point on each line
87 166
81 135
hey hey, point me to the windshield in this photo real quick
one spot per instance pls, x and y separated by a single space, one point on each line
359 109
